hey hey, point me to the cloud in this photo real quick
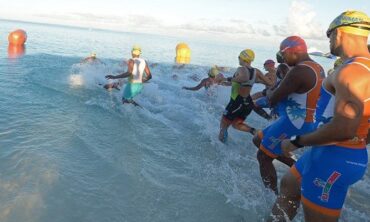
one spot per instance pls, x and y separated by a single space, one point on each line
301 21
150 24
231 26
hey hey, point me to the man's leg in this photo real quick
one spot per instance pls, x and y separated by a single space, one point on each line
286 160
267 171
287 203
311 215
131 101
241 126
224 125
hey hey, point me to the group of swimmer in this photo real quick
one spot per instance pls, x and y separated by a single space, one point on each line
138 72
329 113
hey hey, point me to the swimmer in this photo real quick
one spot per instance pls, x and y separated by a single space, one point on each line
269 66
241 103
92 59
263 102
297 95
213 78
135 71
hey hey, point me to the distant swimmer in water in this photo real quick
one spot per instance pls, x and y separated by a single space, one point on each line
178 66
92 59
135 72
269 66
241 103
212 79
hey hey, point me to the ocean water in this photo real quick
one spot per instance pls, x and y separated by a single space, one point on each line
69 151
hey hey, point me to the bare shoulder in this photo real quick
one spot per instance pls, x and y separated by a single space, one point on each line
299 69
355 79
241 71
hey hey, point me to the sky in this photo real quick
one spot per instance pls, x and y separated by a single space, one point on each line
261 22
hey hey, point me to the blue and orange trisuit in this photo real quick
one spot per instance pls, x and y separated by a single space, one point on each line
327 171
296 115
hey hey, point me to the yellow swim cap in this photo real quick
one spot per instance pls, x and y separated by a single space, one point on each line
136 50
352 22
247 55
93 55
213 72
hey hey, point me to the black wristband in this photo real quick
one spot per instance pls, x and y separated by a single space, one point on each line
296 143
229 79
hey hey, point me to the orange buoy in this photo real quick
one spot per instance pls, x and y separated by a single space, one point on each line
182 53
16 51
17 37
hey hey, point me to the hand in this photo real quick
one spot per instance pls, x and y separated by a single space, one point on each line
184 87
109 76
220 78
287 147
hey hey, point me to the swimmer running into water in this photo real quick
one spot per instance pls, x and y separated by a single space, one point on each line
297 95
92 59
241 103
135 72
213 78
269 66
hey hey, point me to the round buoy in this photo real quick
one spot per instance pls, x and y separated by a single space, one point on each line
16 51
182 53
17 37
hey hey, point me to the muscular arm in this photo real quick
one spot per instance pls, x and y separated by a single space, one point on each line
195 88
348 112
294 81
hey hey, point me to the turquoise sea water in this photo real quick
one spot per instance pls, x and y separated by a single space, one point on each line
69 151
